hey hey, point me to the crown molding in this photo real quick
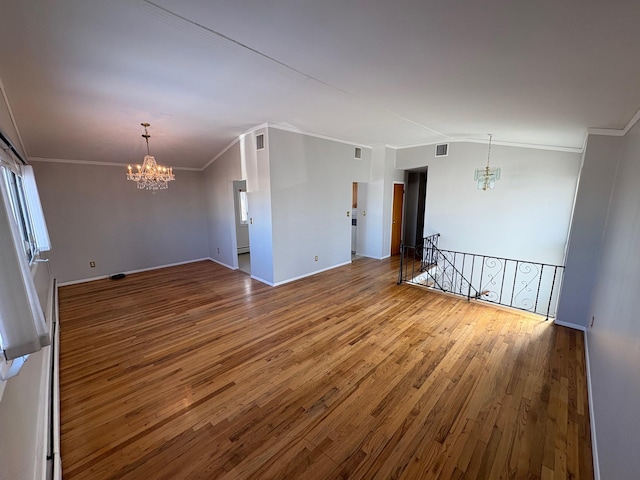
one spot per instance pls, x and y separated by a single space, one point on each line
496 142
614 132
608 132
13 118
102 164
304 132
222 152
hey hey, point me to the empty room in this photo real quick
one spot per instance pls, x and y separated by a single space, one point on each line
286 240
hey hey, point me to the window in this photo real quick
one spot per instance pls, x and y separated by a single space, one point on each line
243 207
18 203
22 326
25 205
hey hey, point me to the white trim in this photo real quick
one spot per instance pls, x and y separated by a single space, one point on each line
276 284
369 256
262 280
57 460
632 122
255 128
222 152
13 119
615 132
496 142
104 164
221 263
303 132
592 421
129 272
574 326
609 132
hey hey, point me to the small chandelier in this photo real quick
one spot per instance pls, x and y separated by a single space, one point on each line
150 175
486 177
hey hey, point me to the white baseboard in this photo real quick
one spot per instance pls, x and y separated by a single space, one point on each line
575 326
369 256
129 272
289 280
271 284
222 263
293 279
83 280
592 422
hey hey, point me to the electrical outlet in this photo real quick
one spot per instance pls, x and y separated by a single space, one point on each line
316 258
92 264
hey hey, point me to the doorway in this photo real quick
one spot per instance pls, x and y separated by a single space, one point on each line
354 218
396 217
415 196
242 225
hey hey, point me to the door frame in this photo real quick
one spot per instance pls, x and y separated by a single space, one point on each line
404 188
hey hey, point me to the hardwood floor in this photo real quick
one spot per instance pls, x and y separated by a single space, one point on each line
340 375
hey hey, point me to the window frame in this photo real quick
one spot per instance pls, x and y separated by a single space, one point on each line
20 209
243 208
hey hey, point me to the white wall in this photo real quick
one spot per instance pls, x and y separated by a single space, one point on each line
311 186
374 228
587 227
221 220
95 214
614 340
23 402
527 215
256 167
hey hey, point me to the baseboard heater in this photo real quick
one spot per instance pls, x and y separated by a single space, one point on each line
54 462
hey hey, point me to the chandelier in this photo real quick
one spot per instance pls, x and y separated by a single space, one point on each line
150 175
486 177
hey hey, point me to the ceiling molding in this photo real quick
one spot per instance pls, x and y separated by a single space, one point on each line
609 132
310 134
613 132
496 142
632 122
222 152
13 119
102 164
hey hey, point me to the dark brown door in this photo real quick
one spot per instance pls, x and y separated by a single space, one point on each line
396 218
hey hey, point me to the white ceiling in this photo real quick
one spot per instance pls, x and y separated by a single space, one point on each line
82 75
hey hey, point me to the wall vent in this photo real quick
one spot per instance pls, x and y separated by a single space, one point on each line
442 150
358 153
260 141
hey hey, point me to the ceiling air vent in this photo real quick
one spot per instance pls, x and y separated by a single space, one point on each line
358 153
260 141
442 150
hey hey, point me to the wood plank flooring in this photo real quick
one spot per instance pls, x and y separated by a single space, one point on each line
341 375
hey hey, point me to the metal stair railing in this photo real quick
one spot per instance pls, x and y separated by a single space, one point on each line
524 285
